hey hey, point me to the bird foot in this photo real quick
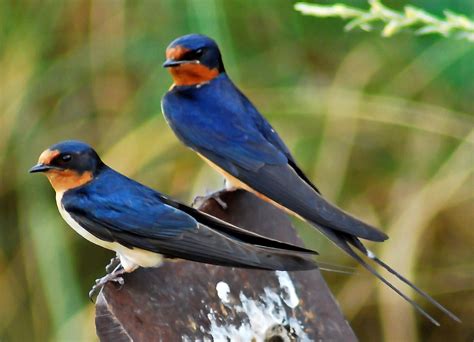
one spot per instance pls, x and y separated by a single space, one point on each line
115 276
114 262
216 196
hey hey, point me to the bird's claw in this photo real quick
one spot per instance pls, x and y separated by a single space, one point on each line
120 281
216 196
114 276
114 262
100 283
220 201
94 291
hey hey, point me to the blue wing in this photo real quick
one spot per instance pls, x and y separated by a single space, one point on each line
220 123
120 204
116 208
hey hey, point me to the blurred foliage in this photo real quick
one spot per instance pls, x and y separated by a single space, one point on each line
452 24
383 127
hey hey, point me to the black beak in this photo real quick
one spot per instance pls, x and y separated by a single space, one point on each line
41 168
170 63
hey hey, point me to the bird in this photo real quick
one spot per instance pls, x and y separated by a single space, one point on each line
144 226
211 116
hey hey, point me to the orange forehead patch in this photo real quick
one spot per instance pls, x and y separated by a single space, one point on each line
176 53
47 156
191 74
63 180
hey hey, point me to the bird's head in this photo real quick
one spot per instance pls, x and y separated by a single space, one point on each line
68 165
193 59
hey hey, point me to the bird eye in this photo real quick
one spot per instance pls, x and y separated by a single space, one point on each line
198 53
193 55
66 157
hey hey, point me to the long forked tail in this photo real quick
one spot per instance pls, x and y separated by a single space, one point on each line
356 243
333 268
342 241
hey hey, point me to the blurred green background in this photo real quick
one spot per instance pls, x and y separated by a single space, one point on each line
383 126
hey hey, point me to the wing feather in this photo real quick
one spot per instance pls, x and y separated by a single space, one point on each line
117 209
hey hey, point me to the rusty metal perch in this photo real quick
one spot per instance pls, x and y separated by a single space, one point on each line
187 301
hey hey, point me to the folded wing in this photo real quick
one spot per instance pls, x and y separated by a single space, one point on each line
138 217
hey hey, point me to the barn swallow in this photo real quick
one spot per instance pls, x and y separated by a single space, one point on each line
143 226
210 115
